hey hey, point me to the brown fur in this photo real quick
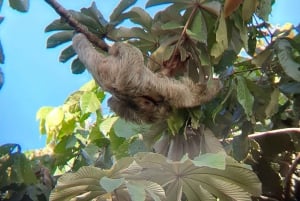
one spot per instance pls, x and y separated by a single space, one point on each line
138 94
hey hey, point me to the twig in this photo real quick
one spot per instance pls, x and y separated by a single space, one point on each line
77 26
183 33
288 178
247 70
274 132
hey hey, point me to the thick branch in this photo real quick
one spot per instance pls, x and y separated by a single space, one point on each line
76 25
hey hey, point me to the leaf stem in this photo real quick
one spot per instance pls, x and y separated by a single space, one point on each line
247 70
183 33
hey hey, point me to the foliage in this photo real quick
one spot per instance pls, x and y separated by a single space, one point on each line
259 67
141 178
21 179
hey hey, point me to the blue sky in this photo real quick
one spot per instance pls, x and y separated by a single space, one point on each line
33 75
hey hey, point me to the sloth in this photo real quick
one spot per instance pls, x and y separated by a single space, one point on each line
138 94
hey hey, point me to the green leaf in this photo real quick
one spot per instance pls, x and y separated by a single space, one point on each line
91 153
67 54
128 33
71 185
139 16
262 58
125 129
89 86
111 184
248 9
237 181
9 148
176 121
264 9
172 25
290 88
122 6
1 78
289 65
240 146
19 5
58 25
212 160
89 103
59 38
92 24
213 7
198 28
136 191
43 112
95 13
77 66
106 125
118 145
244 96
71 142
137 146
22 169
54 117
41 116
221 43
272 107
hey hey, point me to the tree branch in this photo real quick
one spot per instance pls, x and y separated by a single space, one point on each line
76 25
274 132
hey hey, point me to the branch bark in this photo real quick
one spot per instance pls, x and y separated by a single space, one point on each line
77 26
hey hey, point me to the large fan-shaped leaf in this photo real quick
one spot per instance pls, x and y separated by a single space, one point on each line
146 173
111 184
93 183
284 53
238 182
